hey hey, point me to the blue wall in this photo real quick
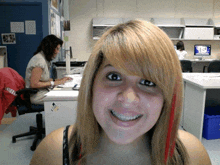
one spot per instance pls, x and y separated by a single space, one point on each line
45 12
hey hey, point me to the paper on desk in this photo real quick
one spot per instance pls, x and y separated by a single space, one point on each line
76 80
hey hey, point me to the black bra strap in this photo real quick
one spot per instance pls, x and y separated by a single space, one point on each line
65 146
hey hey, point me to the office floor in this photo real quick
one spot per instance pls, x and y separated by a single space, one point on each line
19 153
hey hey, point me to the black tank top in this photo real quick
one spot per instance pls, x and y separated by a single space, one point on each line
65 146
76 150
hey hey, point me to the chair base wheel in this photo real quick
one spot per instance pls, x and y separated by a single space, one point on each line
33 148
13 140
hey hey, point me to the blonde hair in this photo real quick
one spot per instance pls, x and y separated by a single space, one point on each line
151 55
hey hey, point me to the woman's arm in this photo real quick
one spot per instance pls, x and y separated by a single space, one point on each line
196 151
36 83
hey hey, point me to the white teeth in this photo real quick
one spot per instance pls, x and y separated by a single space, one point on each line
124 118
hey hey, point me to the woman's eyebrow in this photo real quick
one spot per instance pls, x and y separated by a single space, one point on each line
108 65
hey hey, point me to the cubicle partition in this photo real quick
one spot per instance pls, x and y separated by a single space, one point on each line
201 90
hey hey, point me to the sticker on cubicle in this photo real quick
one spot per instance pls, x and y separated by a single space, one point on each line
54 107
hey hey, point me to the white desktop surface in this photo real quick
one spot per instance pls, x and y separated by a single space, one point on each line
203 80
199 88
203 60
60 94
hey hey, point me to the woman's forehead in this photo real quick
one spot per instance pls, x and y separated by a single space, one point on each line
123 66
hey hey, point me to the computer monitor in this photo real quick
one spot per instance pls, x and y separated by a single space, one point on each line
202 50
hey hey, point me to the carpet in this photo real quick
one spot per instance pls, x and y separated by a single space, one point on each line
18 153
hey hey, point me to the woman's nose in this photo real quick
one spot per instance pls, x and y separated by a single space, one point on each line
128 98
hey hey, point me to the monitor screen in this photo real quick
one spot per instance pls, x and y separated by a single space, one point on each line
202 50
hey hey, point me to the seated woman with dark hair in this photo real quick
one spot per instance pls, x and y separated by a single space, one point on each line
181 53
38 68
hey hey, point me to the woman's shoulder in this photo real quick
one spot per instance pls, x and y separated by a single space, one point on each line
184 52
37 61
38 56
50 150
196 150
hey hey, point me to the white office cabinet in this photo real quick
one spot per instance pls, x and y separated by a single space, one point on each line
173 27
199 33
100 25
59 114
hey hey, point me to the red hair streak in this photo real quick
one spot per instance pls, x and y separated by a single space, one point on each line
80 153
170 131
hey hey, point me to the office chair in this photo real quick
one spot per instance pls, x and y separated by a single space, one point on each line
186 65
214 66
14 96
22 101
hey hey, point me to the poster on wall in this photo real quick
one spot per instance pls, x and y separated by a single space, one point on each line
54 4
58 25
17 27
66 25
62 7
8 38
55 24
30 27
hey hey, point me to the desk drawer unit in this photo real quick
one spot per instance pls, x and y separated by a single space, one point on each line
59 114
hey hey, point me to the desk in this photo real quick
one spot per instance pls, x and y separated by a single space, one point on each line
60 108
201 90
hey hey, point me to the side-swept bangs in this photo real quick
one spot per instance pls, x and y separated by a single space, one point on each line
137 49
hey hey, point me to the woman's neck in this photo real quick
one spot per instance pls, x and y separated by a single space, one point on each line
140 145
108 152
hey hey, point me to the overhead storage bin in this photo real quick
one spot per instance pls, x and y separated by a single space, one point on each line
173 27
199 29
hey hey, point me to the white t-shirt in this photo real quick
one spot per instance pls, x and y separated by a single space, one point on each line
38 60
181 54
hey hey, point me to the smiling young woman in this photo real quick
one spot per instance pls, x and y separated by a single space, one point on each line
126 107
129 105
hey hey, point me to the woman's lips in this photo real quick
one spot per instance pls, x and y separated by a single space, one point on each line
125 112
125 121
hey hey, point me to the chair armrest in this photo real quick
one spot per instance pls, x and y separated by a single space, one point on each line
204 68
23 103
27 91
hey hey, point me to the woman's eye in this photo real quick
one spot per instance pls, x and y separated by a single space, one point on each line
147 83
113 77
